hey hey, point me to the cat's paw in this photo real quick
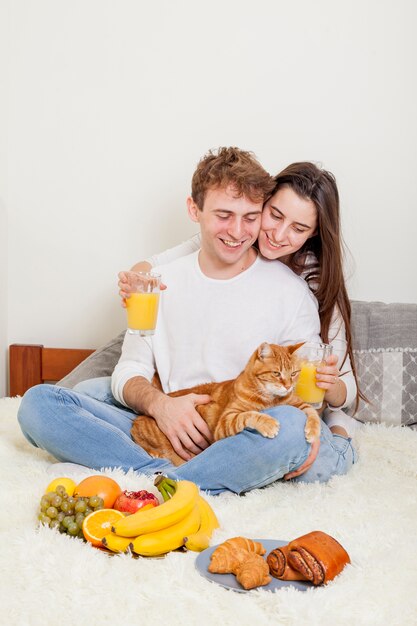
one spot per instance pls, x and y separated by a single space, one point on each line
268 427
312 430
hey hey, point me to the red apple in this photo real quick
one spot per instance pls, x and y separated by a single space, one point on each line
132 501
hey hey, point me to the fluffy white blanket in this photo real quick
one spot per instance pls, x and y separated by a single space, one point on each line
48 578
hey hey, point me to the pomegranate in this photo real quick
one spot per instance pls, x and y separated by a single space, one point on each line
132 501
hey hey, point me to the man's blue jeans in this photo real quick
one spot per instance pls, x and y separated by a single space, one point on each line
75 427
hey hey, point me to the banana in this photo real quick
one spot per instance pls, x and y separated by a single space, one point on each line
116 543
162 516
167 539
201 539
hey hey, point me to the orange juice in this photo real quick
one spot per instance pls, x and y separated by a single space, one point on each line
306 387
142 311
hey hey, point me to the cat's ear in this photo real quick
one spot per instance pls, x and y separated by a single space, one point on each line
295 347
264 351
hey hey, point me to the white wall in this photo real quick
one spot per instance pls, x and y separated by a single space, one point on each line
4 18
111 104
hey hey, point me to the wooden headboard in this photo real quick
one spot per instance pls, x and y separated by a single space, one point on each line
31 365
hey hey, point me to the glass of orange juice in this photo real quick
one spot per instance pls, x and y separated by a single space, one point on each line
143 302
310 356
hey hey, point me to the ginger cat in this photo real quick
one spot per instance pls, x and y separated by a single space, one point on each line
267 380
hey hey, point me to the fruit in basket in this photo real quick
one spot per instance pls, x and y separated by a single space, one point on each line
66 513
115 543
167 539
200 540
101 486
98 524
184 516
132 501
67 483
180 505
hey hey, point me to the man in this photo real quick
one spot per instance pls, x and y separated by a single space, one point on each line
222 302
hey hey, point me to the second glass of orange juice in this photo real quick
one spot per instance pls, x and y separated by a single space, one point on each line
142 304
310 356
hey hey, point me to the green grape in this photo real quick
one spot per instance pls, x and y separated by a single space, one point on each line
80 506
60 490
79 518
88 511
65 507
73 529
60 516
94 501
68 519
52 512
72 501
44 519
45 503
54 523
56 501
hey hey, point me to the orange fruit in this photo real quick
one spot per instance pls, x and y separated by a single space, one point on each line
99 523
101 486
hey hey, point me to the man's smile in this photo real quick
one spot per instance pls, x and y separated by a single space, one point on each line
231 244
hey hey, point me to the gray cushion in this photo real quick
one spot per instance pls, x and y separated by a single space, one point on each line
385 353
379 325
388 378
101 363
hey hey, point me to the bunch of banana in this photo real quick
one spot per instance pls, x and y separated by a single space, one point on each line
200 540
184 518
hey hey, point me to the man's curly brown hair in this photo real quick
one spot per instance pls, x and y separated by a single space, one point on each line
231 167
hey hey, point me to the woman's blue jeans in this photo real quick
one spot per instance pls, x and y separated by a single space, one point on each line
78 428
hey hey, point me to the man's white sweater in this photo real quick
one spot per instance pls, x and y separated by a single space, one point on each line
208 328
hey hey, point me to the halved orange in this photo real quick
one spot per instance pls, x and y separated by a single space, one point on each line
99 523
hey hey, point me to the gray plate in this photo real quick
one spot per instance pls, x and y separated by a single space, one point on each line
229 580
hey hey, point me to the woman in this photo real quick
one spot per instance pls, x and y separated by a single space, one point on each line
301 228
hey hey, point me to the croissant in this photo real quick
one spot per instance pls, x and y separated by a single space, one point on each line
246 544
231 552
226 558
252 572
242 557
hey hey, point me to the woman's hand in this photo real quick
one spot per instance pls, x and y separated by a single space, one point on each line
125 285
328 378
314 450
126 281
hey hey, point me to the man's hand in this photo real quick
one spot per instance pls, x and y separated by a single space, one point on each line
315 446
183 425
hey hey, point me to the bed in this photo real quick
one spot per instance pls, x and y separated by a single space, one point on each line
31 365
375 500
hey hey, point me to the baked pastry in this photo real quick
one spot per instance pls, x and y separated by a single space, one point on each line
231 552
316 557
242 557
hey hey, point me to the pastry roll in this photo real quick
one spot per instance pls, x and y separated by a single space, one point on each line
316 557
279 567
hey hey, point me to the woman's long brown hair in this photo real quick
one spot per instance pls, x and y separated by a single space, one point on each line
324 270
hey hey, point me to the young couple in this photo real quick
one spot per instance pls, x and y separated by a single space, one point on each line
223 300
